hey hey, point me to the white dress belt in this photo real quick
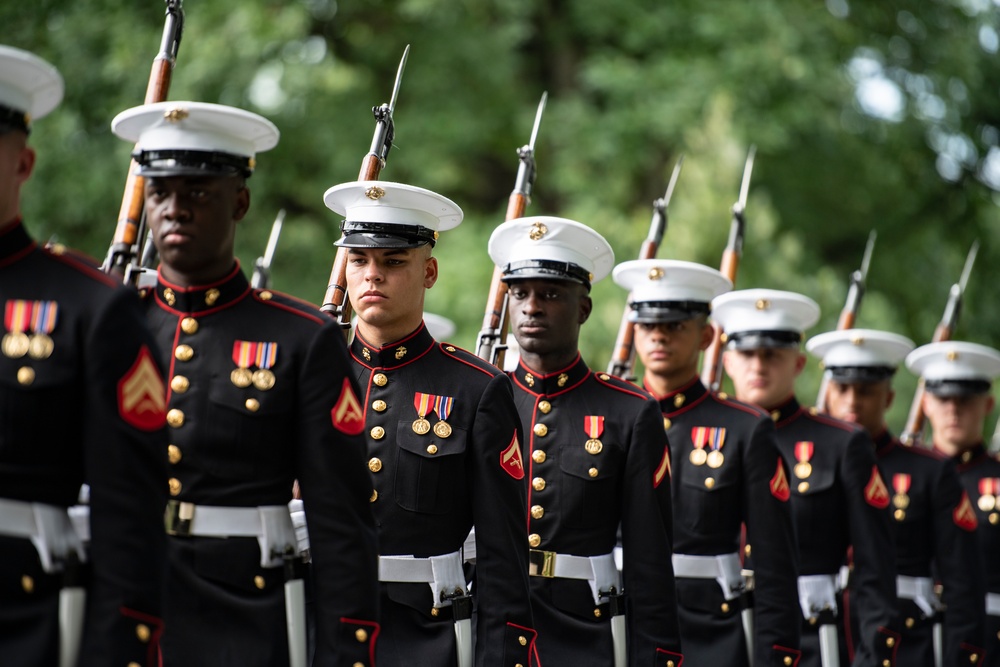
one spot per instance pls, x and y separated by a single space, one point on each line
270 524
921 591
47 526
724 568
444 574
993 604
598 571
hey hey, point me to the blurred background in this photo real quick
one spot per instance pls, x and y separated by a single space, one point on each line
866 116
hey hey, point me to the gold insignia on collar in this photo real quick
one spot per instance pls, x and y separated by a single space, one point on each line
562 380
529 379
679 400
952 355
762 304
57 249
538 230
400 352
169 296
655 273
211 296
374 193
775 415
366 354
857 340
252 163
175 114
723 338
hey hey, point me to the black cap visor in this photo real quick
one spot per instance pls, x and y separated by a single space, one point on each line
756 340
192 163
860 374
546 269
951 388
653 312
384 235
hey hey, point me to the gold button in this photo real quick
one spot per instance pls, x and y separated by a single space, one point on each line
803 487
361 635
380 379
435 611
358 664
373 497
264 296
899 515
379 405
890 641
910 622
592 472
142 632
723 395
670 663
175 417
538 456
994 518
973 658
709 482
746 550
28 584
775 415
259 582
522 640
534 539
253 405
538 483
25 375
788 660
173 453
666 424
189 325
597 613
377 432
725 607
545 407
175 486
887 663
374 464
432 449
179 384
134 664
540 430
450 348
812 620
537 511
183 352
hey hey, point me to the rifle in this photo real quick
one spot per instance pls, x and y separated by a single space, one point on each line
262 265
622 362
335 301
913 433
491 344
849 314
711 369
126 251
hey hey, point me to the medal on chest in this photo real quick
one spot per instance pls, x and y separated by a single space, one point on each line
261 356
804 450
989 487
28 325
708 442
593 425
901 500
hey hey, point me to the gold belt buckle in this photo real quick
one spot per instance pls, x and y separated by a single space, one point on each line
541 563
178 518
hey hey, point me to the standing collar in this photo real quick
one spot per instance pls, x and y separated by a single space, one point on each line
553 383
202 298
786 410
680 398
14 240
969 456
395 354
885 442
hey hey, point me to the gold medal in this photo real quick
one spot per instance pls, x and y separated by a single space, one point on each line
698 457
15 345
803 469
715 458
241 377
40 346
442 429
263 379
421 426
901 501
594 446
987 503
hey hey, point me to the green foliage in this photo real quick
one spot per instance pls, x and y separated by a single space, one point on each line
631 87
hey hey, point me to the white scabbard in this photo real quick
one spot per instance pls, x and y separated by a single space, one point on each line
463 642
829 646
618 639
938 635
295 619
72 603
747 616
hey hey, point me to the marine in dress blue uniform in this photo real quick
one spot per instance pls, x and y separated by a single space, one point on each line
83 401
443 446
260 395
838 497
727 472
958 377
599 462
935 536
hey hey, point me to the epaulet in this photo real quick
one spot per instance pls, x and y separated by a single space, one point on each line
817 416
723 398
466 357
621 385
290 304
81 262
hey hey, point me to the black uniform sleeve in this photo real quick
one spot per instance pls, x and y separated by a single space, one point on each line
647 542
125 464
335 488
873 579
499 497
777 618
959 567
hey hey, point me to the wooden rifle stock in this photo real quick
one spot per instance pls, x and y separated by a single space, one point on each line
335 301
622 362
126 247
491 344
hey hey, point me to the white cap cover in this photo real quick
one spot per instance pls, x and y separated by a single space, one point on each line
955 368
550 248
665 290
757 318
29 87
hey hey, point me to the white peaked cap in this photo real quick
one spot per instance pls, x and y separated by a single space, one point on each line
756 318
28 84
